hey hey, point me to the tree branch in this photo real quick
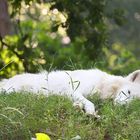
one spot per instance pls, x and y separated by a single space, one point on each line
5 44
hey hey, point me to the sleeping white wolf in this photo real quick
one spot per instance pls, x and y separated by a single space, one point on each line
77 85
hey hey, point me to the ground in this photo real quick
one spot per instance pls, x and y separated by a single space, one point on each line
24 114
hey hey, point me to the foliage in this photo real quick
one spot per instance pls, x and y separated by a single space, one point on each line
85 19
120 61
60 120
40 31
128 34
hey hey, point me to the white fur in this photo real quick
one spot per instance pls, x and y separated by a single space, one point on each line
77 85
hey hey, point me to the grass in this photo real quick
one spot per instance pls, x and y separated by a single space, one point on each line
22 115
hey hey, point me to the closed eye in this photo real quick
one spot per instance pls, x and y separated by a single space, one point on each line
124 93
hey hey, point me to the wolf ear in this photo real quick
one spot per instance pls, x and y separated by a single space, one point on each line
134 76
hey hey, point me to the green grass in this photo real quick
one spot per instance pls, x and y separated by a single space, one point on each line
22 115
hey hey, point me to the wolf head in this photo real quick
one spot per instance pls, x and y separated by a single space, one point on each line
130 89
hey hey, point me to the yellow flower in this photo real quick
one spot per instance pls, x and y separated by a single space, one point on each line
42 136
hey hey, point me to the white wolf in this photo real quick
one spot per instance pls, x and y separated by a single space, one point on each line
77 85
